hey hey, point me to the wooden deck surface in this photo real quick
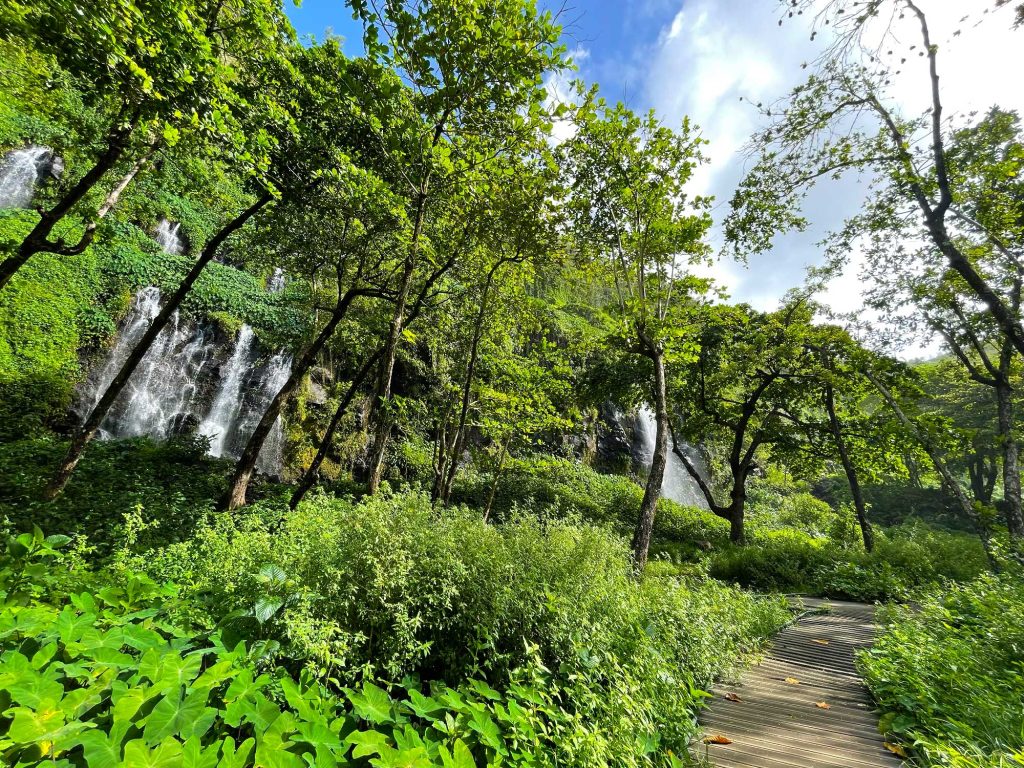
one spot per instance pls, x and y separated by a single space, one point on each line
773 723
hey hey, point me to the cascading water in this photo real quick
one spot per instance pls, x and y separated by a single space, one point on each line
20 171
165 388
168 237
179 386
677 485
277 372
275 284
227 404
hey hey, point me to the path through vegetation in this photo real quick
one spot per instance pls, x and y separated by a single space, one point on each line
805 705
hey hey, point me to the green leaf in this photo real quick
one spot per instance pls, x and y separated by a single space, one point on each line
367 743
176 715
372 705
167 754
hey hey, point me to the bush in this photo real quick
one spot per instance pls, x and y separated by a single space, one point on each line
103 676
950 673
388 587
905 559
554 487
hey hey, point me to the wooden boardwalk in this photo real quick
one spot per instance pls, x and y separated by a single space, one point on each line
804 706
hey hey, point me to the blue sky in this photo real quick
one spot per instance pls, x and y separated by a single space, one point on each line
697 58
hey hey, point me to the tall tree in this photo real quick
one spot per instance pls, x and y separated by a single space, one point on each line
633 219
265 148
746 392
478 93
844 118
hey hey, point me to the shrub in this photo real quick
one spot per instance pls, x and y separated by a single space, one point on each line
153 492
905 559
102 677
950 673
387 587
554 487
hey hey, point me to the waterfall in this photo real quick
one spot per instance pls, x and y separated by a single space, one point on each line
275 283
167 237
677 485
180 385
227 404
162 393
20 171
278 370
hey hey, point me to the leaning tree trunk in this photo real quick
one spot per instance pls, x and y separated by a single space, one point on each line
851 472
38 240
387 369
652 492
309 476
88 430
246 466
1011 462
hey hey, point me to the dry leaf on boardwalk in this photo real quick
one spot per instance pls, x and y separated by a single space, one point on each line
822 705
792 681
820 642
896 749
717 739
732 697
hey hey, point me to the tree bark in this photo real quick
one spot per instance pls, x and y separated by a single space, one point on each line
1011 461
452 466
652 491
88 430
497 478
246 466
38 240
867 534
309 476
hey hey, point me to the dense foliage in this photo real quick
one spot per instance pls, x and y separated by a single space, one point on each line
477 343
948 673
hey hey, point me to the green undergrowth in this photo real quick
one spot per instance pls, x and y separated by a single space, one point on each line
268 637
949 674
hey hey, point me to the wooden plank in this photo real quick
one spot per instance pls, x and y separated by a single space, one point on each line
777 724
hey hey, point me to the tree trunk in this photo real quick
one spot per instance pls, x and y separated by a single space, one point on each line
387 369
38 240
309 476
1011 461
652 492
246 466
497 478
467 389
88 430
851 472
737 534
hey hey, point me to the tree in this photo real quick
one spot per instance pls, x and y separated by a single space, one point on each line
518 228
478 93
843 118
747 390
158 69
270 132
632 219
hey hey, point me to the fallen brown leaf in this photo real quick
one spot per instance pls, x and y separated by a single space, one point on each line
822 705
896 749
717 739
792 681
820 642
732 697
